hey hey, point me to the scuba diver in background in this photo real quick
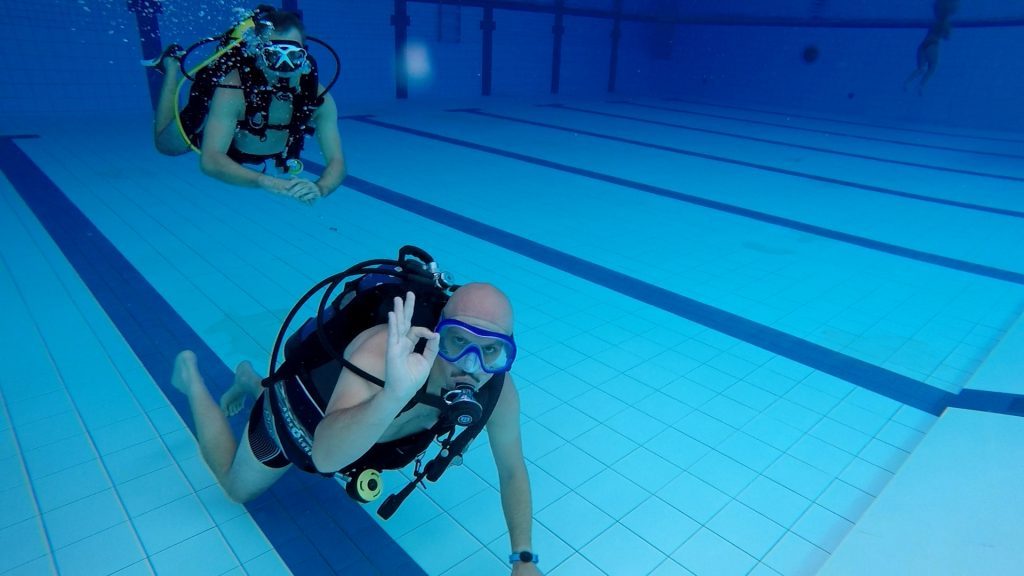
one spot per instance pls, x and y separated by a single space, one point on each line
252 102
366 386
928 49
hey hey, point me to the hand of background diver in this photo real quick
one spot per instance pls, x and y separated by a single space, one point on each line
302 190
406 370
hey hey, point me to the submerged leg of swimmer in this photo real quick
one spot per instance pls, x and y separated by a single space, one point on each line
216 441
239 473
166 136
247 384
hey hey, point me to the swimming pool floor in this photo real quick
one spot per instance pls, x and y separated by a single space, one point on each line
734 325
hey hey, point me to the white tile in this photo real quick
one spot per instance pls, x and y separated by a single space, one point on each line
707 554
693 497
661 525
172 524
574 520
421 544
746 529
613 493
570 465
647 469
822 528
619 551
83 518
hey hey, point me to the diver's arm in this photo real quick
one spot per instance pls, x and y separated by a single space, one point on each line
325 120
504 436
359 412
226 106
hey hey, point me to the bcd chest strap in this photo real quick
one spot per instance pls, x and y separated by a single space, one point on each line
258 96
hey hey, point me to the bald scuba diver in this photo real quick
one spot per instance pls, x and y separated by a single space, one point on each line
399 363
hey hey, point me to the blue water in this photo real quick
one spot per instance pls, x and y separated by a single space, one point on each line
736 319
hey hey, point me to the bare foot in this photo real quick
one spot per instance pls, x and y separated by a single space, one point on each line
247 383
186 372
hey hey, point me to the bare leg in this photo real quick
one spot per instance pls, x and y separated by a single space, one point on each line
931 60
913 75
247 383
166 136
924 79
240 474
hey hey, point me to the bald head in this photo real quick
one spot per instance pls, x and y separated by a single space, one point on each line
481 304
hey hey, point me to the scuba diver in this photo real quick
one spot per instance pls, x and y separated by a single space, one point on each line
252 103
928 49
366 386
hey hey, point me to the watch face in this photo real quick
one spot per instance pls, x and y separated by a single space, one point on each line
526 557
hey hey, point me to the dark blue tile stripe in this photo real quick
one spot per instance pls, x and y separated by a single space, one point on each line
820 131
851 122
753 165
988 401
299 513
811 148
858 372
926 257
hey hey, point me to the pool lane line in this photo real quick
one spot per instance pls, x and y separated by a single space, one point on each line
156 333
752 165
822 131
888 383
850 122
893 249
804 147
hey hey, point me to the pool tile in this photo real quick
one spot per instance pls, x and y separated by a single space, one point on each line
570 465
24 542
822 528
746 529
172 523
660 524
707 554
119 543
619 551
794 556
613 493
204 554
722 472
774 501
693 497
83 518
574 520
647 469
605 444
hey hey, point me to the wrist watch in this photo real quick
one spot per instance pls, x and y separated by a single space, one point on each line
524 556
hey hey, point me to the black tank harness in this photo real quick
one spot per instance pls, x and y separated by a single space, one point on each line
258 94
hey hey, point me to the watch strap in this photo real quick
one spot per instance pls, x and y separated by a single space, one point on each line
523 556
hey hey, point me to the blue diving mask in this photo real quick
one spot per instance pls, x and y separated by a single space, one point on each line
285 57
473 349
